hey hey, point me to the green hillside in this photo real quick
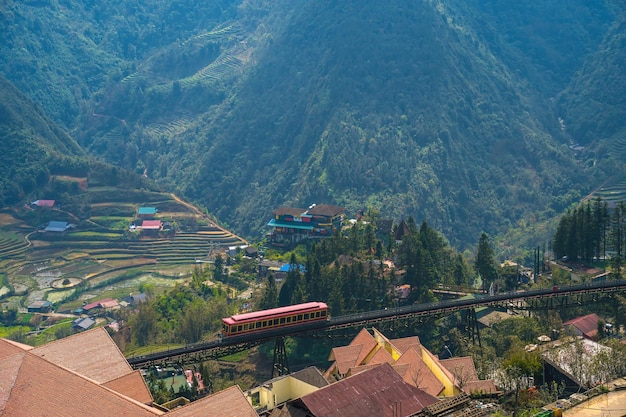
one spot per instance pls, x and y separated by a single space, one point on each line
447 111
33 147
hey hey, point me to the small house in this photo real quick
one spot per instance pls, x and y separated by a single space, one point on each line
83 323
43 203
55 226
40 306
146 212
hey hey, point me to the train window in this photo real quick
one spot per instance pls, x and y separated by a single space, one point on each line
258 325
289 319
317 314
306 316
323 313
282 320
275 322
239 328
245 327
264 324
299 317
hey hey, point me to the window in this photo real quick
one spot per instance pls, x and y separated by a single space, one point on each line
299 317
245 327
306 316
324 313
239 328
317 314
264 324
275 322
282 320
258 325
289 319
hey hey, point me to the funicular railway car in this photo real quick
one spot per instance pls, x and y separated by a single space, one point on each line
274 318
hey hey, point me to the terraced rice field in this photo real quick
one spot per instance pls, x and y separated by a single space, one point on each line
12 246
180 248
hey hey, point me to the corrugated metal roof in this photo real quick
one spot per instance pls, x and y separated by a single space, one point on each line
147 210
587 325
326 210
376 392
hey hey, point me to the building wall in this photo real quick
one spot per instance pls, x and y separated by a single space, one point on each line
280 391
449 390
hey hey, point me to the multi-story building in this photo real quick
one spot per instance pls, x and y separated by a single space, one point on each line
292 225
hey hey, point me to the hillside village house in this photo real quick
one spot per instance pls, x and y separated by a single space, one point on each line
292 225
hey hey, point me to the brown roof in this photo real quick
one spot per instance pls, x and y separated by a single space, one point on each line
587 325
371 393
311 376
286 211
482 387
345 357
418 373
466 377
326 210
92 354
403 344
8 348
462 368
369 343
32 386
381 356
230 402
132 386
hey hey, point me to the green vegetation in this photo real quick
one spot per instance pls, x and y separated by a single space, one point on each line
451 115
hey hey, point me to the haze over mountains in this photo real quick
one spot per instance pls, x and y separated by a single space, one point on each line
444 110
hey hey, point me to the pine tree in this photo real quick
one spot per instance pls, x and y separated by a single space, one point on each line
485 264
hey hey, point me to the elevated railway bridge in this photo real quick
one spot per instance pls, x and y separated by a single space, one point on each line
545 298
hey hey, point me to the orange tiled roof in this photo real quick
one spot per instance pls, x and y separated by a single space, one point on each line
92 354
403 344
230 402
418 373
32 386
345 357
133 386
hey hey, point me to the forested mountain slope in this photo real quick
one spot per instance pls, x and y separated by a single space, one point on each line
443 110
32 146
594 102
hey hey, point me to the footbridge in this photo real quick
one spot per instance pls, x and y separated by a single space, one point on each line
545 298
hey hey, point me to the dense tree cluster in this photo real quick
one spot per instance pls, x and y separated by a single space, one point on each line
351 274
590 231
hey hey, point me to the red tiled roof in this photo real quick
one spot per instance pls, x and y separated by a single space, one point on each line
587 325
374 392
95 304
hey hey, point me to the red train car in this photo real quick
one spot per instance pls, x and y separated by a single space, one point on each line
274 318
